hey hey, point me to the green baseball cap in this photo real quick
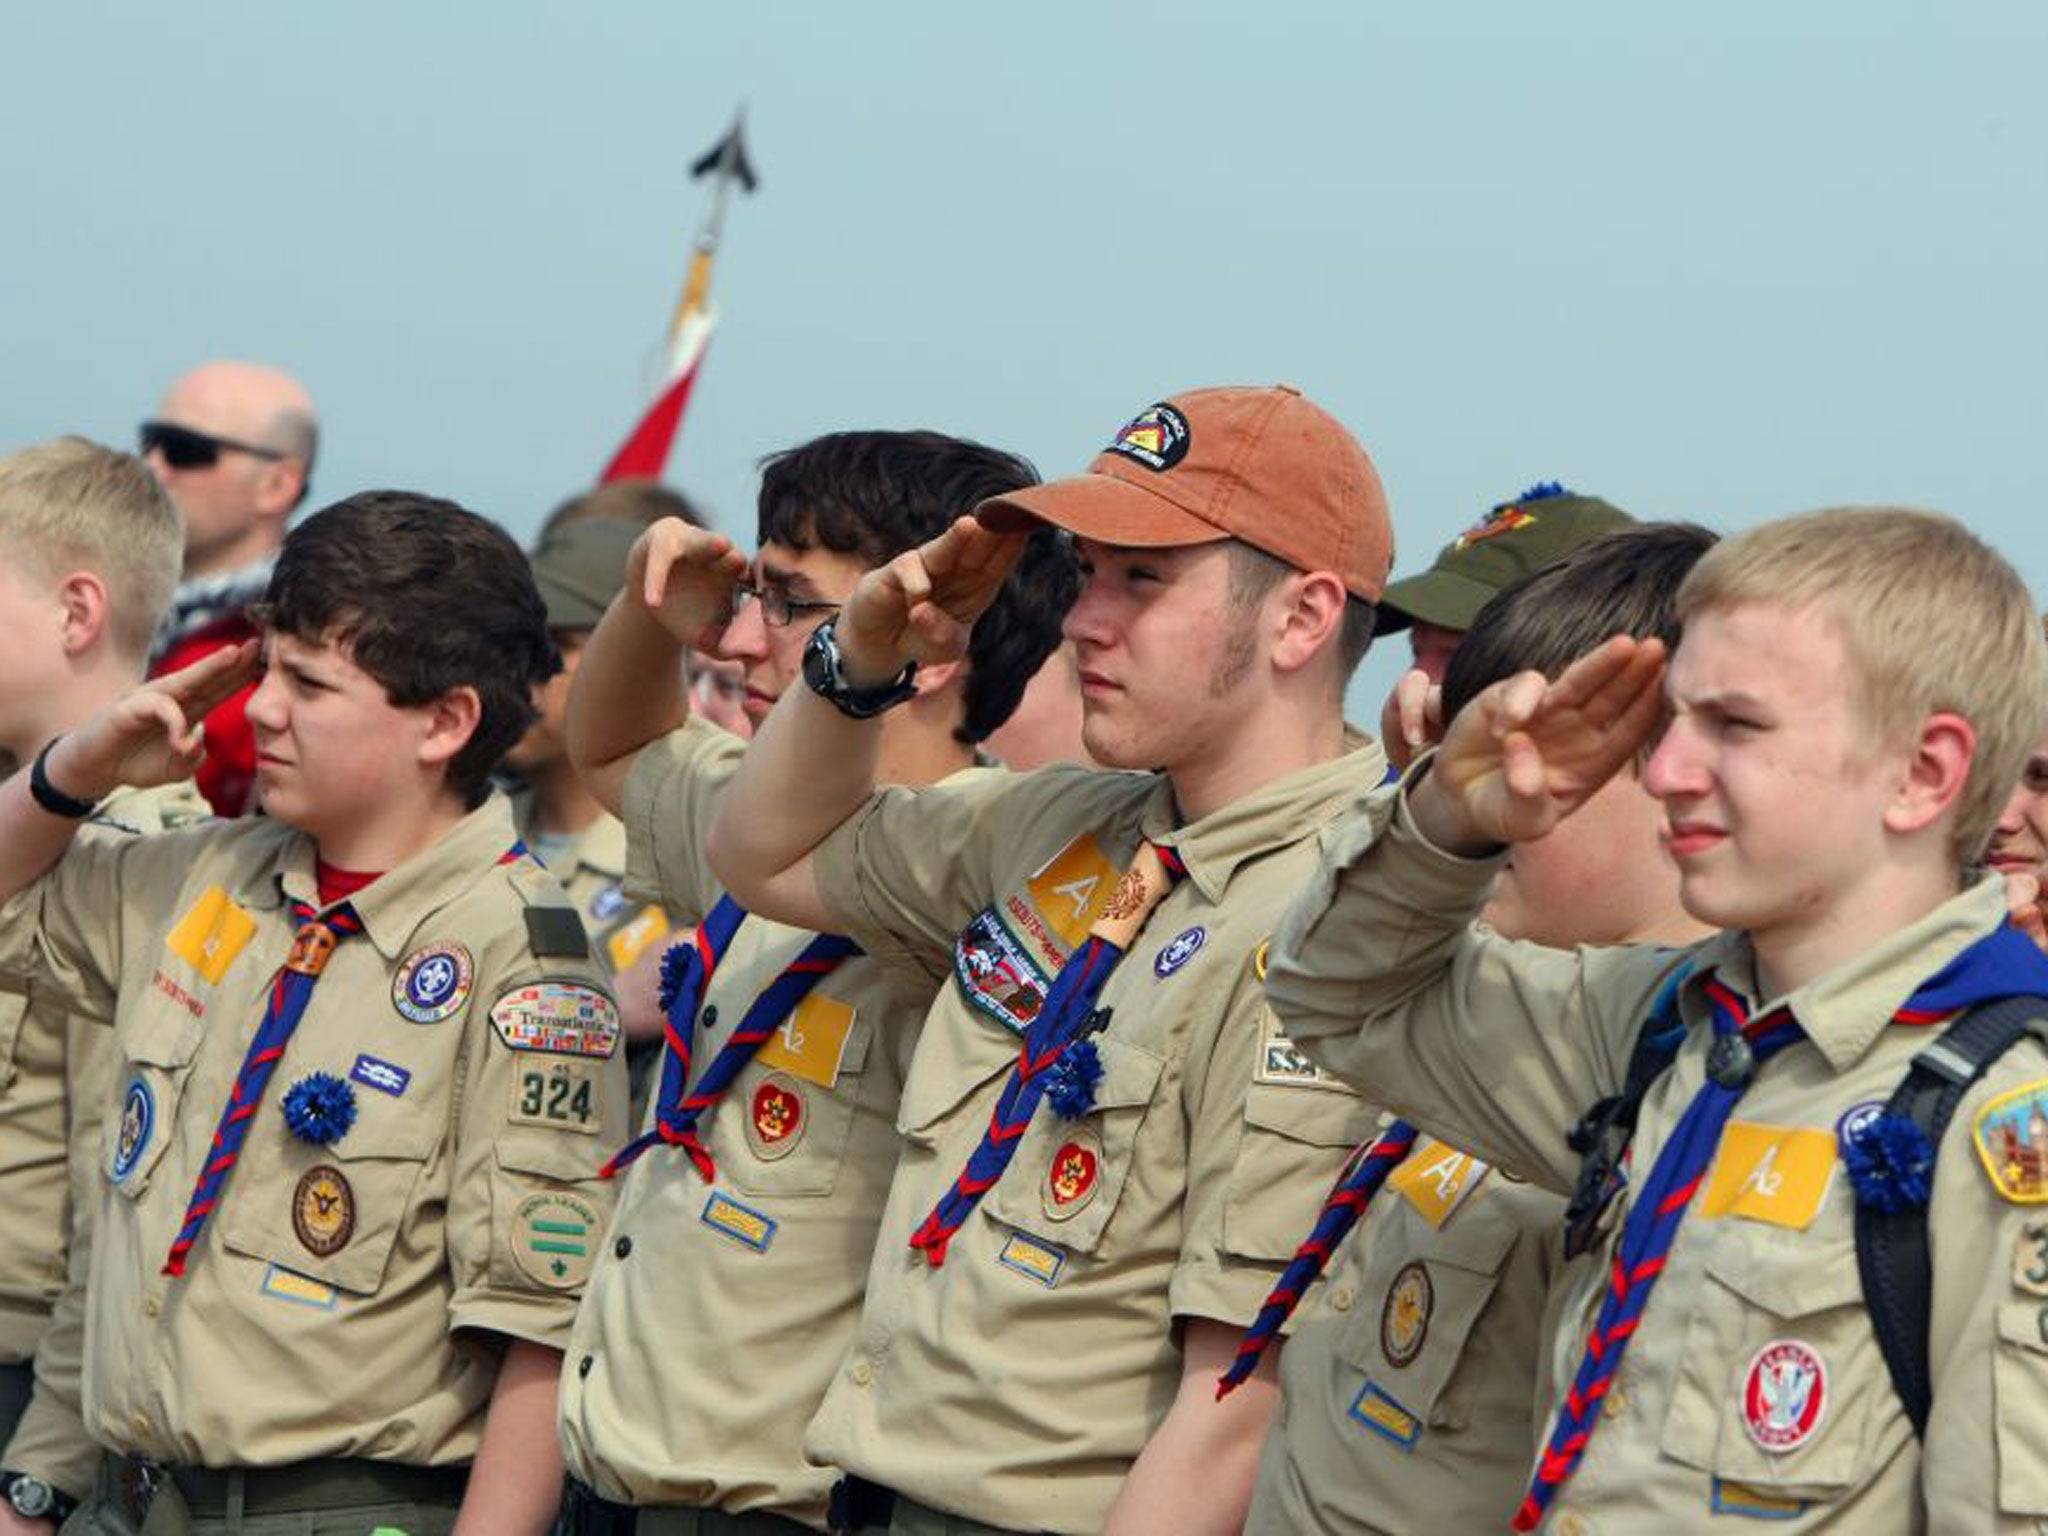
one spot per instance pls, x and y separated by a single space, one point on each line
580 567
1515 538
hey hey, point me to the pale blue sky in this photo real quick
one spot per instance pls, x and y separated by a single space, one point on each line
1709 262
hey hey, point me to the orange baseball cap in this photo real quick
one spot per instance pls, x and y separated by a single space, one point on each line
1267 466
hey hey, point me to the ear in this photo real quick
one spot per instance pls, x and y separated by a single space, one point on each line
1936 774
1310 610
451 720
87 611
278 486
935 678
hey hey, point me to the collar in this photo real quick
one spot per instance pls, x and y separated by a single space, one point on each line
393 906
1844 1011
1273 816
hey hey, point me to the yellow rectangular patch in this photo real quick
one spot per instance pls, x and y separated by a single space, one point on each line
211 934
1073 888
1772 1173
1041 1261
739 1223
630 939
812 1041
1436 1179
286 1286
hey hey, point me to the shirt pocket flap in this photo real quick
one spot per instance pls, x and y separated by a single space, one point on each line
955 1059
331 1213
1271 1201
557 1155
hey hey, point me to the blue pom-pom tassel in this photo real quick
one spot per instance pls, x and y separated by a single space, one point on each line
1891 1163
1071 1088
319 1108
674 965
1542 490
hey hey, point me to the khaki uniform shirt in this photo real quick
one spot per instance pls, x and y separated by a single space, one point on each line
756 1279
1408 1389
1017 1383
316 1315
1754 1385
52 1066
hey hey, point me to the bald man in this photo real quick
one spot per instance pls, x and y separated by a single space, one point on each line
233 443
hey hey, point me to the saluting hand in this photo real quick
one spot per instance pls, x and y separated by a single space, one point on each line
1412 718
152 735
685 577
922 605
1527 752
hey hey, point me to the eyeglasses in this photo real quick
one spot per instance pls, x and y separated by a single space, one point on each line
185 448
778 609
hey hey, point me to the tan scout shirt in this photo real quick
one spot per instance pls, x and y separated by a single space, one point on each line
316 1315
1500 1046
1408 1389
1016 1383
755 1281
51 1065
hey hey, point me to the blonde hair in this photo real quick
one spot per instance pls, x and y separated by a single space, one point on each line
1933 619
73 505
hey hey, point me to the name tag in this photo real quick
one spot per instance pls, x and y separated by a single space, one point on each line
1771 1173
1436 1179
812 1041
741 1223
1038 1261
1073 888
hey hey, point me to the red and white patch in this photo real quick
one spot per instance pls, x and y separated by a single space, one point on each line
1784 1395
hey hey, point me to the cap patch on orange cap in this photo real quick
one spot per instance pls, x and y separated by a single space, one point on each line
1156 437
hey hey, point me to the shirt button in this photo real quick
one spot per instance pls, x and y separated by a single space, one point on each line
152 1307
1341 1298
710 1016
141 1424
583 1366
1568 1523
863 1373
1617 1402
623 1247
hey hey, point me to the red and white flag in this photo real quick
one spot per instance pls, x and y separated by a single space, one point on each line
646 448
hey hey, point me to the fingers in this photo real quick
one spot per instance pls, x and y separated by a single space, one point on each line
214 679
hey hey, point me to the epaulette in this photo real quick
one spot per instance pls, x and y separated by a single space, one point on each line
554 928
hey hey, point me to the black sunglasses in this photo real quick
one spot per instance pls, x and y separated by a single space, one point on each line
183 448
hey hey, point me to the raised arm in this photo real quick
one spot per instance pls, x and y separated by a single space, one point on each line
629 686
147 737
811 767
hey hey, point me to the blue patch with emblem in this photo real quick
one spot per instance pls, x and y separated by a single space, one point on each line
1856 1120
608 903
741 1223
997 973
1757 1503
433 984
1179 951
384 1076
138 1120
1383 1416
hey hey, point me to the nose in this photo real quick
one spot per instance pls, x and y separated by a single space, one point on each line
265 706
1676 767
745 636
1088 621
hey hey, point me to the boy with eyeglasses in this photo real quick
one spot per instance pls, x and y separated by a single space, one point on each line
1809 1301
748 1207
363 1062
233 443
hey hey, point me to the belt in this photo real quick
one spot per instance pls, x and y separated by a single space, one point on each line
586 1512
858 1504
326 1483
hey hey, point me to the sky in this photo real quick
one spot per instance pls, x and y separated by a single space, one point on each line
1719 263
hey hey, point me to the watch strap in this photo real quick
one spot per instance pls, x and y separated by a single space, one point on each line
49 796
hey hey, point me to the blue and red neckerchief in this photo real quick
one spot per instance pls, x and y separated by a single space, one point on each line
2004 964
686 972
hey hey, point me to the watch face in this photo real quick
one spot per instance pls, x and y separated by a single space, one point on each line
31 1497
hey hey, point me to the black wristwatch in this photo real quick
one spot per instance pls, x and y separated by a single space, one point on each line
33 1499
826 673
49 796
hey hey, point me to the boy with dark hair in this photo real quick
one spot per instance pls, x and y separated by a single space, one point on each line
363 1063
759 1194
1817 1271
1407 1384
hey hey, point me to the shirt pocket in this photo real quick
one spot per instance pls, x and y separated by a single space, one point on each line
154 1057
1295 1141
2020 1381
549 1209
786 1135
1067 1176
332 1213
1420 1292
1782 1385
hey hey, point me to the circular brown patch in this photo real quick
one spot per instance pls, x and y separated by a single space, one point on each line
1404 1320
324 1210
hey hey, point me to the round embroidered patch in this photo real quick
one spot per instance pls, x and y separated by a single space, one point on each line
324 1210
608 903
554 1239
1784 1395
776 1117
1156 437
1183 947
1856 1120
1075 1174
138 1119
1404 1319
433 983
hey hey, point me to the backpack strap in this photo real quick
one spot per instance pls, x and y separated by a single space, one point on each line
1891 1236
1603 1133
